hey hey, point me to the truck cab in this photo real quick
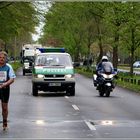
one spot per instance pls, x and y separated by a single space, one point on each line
28 52
28 60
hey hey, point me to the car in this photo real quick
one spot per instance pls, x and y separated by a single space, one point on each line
53 72
136 64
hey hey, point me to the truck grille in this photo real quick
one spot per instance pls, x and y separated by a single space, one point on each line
54 76
54 79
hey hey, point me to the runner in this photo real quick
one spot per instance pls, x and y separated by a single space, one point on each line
7 77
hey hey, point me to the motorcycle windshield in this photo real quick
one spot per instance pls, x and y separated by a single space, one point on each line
108 68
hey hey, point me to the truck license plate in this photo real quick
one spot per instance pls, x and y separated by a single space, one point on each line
54 84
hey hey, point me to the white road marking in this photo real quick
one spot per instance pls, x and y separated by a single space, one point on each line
91 127
75 107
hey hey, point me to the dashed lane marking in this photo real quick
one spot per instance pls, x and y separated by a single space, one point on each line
91 126
75 107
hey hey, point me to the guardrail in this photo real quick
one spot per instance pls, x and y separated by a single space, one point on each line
127 71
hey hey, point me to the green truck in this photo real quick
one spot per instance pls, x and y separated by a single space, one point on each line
53 72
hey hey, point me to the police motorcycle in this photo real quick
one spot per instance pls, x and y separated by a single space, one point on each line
105 82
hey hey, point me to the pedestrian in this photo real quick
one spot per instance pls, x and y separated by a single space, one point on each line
7 77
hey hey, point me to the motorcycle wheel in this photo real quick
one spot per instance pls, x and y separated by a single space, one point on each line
101 94
107 92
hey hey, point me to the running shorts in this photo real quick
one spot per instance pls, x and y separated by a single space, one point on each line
4 94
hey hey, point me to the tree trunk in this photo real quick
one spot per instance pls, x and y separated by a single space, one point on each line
132 51
100 42
131 62
101 50
115 56
115 50
76 57
116 39
88 54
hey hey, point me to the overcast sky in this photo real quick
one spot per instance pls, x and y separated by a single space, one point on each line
42 6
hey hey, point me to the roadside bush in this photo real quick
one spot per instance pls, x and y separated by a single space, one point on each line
16 65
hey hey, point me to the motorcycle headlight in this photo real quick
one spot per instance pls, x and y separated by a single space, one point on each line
110 76
40 76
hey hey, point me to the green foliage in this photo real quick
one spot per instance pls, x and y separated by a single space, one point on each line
73 25
126 82
16 65
77 25
84 71
17 19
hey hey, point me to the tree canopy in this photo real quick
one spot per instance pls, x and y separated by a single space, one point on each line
78 26
17 20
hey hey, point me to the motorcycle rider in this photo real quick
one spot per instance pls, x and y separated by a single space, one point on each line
104 66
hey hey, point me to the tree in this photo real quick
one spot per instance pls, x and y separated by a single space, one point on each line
131 31
17 20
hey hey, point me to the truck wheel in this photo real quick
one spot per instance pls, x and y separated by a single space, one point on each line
34 90
71 91
23 72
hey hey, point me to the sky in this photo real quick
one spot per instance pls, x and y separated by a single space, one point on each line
43 7
38 29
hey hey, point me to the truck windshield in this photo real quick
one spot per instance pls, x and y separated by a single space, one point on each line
53 60
29 53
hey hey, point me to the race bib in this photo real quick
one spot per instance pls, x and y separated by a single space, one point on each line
3 76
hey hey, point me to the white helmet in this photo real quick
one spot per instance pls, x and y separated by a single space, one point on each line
104 58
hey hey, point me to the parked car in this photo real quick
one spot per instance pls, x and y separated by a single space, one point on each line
136 64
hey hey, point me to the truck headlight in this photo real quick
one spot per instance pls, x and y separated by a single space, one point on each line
40 76
69 76
26 67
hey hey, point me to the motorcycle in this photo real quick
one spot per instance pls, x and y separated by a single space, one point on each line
105 83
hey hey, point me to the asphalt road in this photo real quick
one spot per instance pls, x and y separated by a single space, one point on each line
85 116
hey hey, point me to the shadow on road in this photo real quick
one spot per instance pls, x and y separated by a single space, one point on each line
51 94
